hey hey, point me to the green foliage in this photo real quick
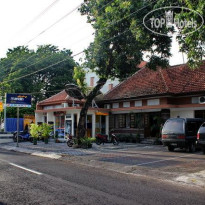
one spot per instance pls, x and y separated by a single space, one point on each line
21 61
45 130
192 44
86 142
35 130
79 76
121 39
11 112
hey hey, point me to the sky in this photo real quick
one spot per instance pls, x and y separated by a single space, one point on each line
38 22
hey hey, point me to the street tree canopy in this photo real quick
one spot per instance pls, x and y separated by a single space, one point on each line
21 61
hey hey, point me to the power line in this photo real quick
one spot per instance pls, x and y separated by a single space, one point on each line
59 20
69 56
40 14
79 29
63 18
114 22
34 72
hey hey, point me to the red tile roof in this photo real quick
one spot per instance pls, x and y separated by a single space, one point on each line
177 79
58 98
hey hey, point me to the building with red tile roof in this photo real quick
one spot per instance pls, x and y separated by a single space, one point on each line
149 97
63 112
137 105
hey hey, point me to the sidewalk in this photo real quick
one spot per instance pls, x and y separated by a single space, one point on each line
5 136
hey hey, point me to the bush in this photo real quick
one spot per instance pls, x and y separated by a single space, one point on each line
45 130
35 131
86 142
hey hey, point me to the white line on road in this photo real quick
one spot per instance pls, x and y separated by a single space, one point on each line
162 160
29 170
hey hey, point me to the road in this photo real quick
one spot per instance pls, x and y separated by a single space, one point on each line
26 179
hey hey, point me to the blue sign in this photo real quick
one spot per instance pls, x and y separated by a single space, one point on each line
18 100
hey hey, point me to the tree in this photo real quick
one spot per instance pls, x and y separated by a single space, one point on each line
118 48
121 40
193 45
21 61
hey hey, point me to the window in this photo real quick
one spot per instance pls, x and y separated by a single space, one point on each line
153 102
115 105
138 103
126 104
111 122
192 128
122 121
92 81
110 86
136 120
174 126
107 106
132 121
45 118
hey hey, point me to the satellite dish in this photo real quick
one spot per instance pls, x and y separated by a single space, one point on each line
74 91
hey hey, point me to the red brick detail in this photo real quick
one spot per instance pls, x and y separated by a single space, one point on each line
132 103
144 102
163 101
120 104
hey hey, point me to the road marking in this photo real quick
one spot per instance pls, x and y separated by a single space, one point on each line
29 170
162 160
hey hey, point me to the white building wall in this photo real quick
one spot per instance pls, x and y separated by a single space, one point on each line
50 117
105 87
38 117
182 113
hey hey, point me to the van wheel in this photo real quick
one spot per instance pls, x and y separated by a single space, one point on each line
192 147
170 148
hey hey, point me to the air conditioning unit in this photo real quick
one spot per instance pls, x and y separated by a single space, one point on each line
202 100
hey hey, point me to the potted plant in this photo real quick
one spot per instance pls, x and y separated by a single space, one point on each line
45 130
86 142
34 131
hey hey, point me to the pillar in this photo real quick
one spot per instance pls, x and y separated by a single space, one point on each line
93 125
107 124
72 118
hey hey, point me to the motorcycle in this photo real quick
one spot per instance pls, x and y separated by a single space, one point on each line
101 138
70 141
23 136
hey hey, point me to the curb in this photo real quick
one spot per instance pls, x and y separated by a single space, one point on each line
51 155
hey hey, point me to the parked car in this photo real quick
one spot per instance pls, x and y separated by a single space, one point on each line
181 133
201 137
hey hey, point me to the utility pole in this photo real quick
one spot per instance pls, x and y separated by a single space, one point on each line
5 113
17 135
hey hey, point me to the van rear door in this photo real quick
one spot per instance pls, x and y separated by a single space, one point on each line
174 128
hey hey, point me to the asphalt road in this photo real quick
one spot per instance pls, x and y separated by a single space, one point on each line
26 179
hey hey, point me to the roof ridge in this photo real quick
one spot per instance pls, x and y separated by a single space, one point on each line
160 71
51 96
124 80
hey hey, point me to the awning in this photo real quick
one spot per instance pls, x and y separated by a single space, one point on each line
102 113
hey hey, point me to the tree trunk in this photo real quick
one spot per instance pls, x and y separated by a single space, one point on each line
87 104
